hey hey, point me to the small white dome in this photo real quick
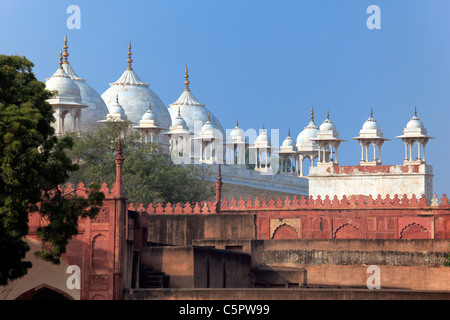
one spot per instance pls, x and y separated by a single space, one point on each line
208 126
288 142
67 89
237 133
415 123
149 115
262 137
310 132
179 121
371 124
327 125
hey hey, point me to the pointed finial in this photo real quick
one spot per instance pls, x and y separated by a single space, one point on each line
209 117
415 111
186 82
289 132
150 105
328 114
117 98
60 59
237 122
129 60
65 54
263 127
312 113
371 112
179 114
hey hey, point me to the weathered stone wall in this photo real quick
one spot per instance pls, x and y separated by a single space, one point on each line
181 229
199 267
405 264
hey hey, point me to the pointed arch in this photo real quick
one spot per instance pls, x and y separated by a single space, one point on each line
285 231
348 231
44 292
414 231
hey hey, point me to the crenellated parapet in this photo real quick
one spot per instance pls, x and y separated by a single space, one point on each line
295 203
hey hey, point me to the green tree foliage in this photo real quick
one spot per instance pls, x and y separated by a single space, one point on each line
149 175
33 162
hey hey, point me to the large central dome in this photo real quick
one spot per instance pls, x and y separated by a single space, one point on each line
135 96
193 112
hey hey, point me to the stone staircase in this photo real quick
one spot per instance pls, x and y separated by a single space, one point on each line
149 278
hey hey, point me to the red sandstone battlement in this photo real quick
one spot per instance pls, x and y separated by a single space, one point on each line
302 203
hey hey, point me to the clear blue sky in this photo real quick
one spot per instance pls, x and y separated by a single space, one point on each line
263 61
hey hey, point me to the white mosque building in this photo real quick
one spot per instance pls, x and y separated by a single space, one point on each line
252 162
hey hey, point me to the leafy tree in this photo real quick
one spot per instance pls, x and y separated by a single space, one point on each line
33 162
149 175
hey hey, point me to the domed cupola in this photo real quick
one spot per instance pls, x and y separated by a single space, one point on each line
236 143
179 126
135 96
96 109
116 113
149 124
237 135
288 154
415 132
66 101
328 127
193 112
288 143
304 142
370 134
263 139
262 152
328 142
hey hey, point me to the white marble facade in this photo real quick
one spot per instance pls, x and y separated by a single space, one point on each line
189 126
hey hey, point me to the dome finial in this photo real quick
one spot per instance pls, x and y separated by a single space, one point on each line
65 54
60 59
117 98
150 105
209 117
186 82
289 132
415 111
312 113
129 60
371 112
263 127
237 122
179 114
328 114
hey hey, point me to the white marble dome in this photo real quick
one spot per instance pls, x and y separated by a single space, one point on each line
68 91
149 115
193 112
371 124
415 123
96 108
288 142
135 97
237 134
262 139
304 139
327 125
